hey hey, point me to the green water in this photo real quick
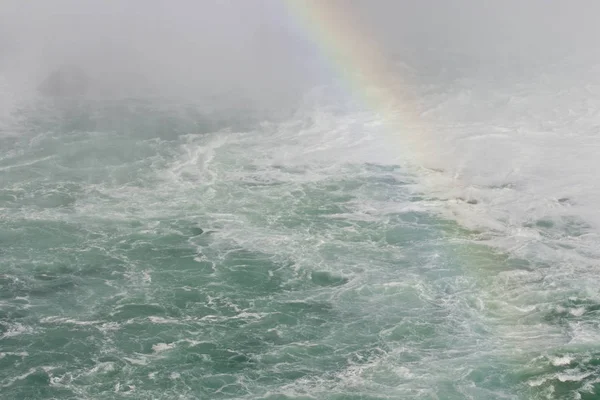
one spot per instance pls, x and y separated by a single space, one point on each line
151 253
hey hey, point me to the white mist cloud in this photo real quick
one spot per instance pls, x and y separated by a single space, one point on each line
190 47
184 47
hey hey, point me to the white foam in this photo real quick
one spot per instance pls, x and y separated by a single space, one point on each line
559 361
19 377
17 329
65 320
162 320
578 311
160 347
572 376
104 367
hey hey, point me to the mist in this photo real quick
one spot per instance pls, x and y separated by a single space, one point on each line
190 48
183 49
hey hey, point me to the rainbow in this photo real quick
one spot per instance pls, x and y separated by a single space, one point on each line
361 63
359 60
369 75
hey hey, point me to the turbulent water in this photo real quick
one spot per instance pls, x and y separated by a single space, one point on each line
154 250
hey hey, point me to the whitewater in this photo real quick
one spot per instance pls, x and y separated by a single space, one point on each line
160 247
